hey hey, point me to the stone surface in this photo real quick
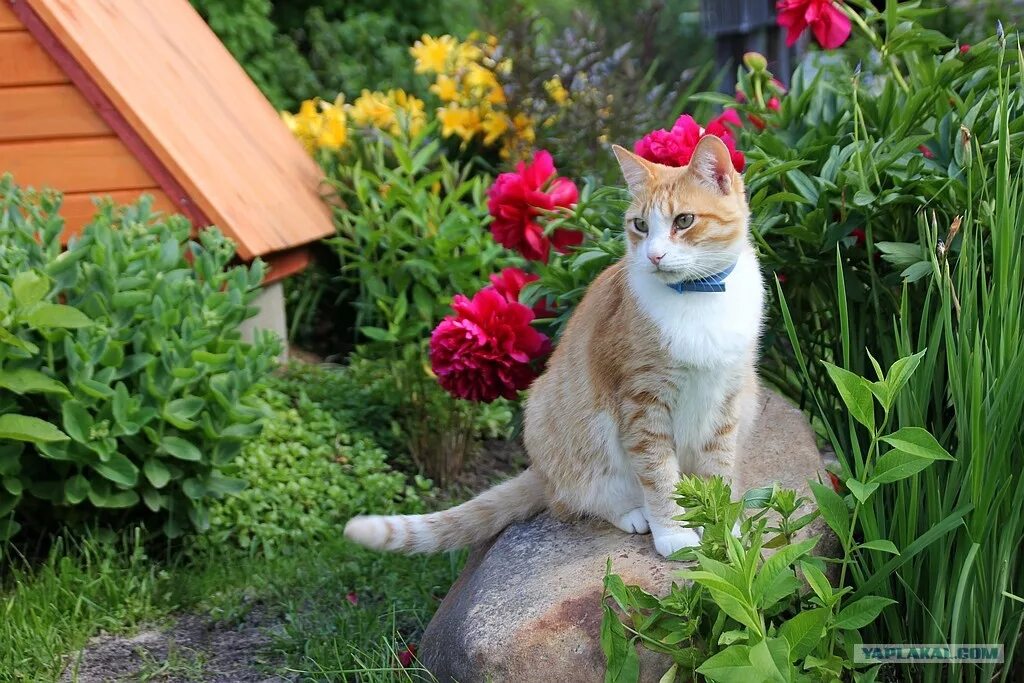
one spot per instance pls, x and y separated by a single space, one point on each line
271 317
527 606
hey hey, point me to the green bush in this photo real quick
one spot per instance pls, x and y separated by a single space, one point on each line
140 365
411 234
307 473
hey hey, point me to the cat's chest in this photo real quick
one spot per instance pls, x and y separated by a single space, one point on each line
698 405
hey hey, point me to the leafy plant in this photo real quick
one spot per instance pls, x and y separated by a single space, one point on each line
141 365
747 615
410 233
307 473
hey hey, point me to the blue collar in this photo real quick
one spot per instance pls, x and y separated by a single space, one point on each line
709 283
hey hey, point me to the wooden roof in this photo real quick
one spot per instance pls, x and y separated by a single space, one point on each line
172 92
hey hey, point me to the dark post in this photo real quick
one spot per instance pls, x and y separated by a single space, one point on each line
739 26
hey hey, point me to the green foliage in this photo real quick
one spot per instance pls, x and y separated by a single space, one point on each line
297 50
307 473
747 615
410 234
124 379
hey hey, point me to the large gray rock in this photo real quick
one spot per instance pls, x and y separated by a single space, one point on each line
527 606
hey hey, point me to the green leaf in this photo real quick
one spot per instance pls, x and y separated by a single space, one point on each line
193 488
219 485
804 631
28 381
180 448
118 469
856 394
623 664
77 421
31 429
378 334
860 490
117 499
56 315
770 658
76 489
882 545
901 371
13 485
156 472
731 665
29 288
919 442
832 507
896 465
862 612
179 411
817 581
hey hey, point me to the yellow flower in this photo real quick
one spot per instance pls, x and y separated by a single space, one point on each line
556 91
304 125
412 115
445 88
461 121
494 126
333 125
467 53
373 109
524 128
480 78
432 54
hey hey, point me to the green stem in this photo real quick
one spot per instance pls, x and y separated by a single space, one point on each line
873 36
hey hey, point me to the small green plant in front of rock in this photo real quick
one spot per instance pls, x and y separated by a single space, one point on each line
746 614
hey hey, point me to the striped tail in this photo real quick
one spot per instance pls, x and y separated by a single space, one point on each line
472 522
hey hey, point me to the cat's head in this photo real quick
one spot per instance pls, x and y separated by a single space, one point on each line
684 223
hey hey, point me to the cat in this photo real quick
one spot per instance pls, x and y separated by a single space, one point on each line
654 374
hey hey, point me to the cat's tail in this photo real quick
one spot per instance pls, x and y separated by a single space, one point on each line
472 522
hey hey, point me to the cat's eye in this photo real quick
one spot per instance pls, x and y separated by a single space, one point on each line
640 225
683 221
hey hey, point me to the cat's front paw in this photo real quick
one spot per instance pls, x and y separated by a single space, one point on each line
669 541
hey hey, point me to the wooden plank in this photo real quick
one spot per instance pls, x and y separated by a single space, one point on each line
78 208
24 62
8 20
47 111
286 263
196 109
75 165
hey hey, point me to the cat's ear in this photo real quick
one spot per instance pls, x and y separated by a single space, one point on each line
711 164
637 171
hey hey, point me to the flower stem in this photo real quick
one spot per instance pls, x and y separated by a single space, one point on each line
879 44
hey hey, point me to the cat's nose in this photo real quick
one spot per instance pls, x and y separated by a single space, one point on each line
655 258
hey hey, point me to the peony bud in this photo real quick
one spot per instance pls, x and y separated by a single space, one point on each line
755 61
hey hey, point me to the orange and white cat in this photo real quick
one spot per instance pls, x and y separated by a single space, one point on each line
654 374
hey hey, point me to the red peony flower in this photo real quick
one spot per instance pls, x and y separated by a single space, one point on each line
965 48
858 235
407 656
487 348
830 25
511 281
352 598
515 200
675 147
925 152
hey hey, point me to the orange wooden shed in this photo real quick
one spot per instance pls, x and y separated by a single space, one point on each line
124 97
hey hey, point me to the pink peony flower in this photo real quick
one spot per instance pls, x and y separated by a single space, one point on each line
830 25
511 281
515 200
965 48
675 147
925 152
352 598
487 348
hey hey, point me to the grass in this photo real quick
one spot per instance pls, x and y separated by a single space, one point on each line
94 585
98 582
